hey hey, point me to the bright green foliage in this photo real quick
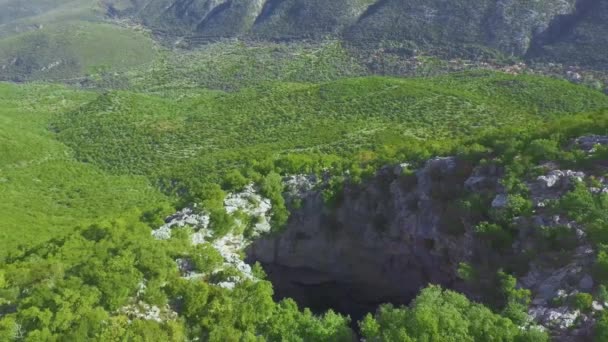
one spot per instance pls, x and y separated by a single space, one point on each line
580 204
518 206
543 149
178 141
8 329
516 299
287 324
75 288
234 181
438 315
45 192
272 188
118 162
236 65
497 236
583 301
70 50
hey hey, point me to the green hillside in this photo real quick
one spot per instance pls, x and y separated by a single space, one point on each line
15 10
203 134
45 192
303 170
76 175
568 31
70 50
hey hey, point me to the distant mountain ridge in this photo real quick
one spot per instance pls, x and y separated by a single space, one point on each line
569 31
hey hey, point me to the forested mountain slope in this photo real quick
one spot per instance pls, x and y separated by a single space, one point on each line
552 27
303 170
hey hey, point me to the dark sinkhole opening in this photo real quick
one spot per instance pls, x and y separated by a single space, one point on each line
351 282
371 247
320 293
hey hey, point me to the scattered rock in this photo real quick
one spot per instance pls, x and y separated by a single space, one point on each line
299 186
200 237
561 318
597 306
586 283
251 203
149 312
560 178
162 233
500 201
588 143
186 217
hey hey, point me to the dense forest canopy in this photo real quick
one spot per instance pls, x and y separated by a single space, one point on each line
140 160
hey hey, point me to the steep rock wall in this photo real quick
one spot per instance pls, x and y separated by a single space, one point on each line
569 31
384 242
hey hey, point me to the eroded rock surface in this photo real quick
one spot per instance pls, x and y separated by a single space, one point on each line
384 242
400 231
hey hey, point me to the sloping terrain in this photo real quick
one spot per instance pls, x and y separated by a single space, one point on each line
13 10
73 49
45 192
22 16
581 37
66 39
446 27
246 170
173 139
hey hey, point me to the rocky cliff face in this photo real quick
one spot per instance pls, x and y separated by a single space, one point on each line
581 36
403 230
553 27
383 243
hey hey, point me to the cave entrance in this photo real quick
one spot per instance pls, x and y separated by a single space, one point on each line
320 292
372 247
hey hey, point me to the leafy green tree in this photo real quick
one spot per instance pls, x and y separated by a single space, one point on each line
543 149
579 204
516 299
438 315
9 328
234 181
466 272
583 301
272 188
287 323
601 328
495 234
601 263
602 293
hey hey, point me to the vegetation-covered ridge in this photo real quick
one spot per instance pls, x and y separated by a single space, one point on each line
70 50
567 31
197 130
192 139
45 192
112 280
77 174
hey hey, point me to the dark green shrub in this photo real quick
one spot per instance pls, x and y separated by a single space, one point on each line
560 238
601 328
601 263
543 149
466 272
234 181
495 234
582 302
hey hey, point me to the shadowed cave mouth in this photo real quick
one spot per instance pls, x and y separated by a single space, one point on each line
321 291
340 296
382 242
